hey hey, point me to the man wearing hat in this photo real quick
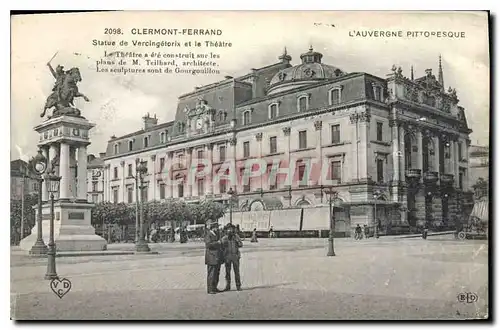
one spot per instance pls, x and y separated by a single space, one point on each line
213 256
231 244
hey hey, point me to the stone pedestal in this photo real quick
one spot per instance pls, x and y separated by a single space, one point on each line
72 228
67 137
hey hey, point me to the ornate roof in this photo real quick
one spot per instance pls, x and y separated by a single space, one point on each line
310 70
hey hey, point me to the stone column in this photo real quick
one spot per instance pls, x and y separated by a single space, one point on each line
170 179
82 173
122 187
73 190
456 163
395 160
232 143
354 145
402 168
365 159
209 188
47 155
64 171
420 164
395 151
190 180
286 133
318 126
152 181
436 153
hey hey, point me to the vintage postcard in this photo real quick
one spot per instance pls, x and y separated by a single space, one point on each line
288 165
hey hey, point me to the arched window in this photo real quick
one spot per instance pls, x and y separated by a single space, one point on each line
115 149
162 137
246 118
146 142
273 110
130 145
303 103
335 96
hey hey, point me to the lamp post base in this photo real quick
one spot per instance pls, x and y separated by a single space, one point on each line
51 265
331 252
38 249
142 246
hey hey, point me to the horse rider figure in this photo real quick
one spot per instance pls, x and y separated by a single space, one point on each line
59 74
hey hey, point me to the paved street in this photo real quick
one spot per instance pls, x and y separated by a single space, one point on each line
282 279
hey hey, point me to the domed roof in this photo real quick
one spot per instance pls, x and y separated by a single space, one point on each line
309 71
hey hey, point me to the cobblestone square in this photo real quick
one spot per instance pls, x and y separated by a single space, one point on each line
282 279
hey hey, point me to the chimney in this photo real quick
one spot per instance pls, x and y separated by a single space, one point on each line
90 158
149 121
102 154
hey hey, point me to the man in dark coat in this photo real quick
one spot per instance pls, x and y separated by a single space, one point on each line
212 257
231 244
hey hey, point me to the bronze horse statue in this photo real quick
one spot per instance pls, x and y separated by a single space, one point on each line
64 92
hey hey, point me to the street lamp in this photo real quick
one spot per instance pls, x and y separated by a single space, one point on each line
39 165
141 245
332 194
376 196
231 194
52 181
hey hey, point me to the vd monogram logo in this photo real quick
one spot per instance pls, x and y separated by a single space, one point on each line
60 286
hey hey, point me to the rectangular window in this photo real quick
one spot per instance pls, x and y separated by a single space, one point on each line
162 164
380 127
460 155
303 104
115 172
273 111
302 170
94 186
272 182
380 170
162 191
302 139
200 154
273 148
95 198
246 185
115 195
130 144
461 180
146 142
222 153
201 187
378 93
144 194
180 189
246 149
222 186
130 170
130 194
335 134
336 171
335 96
146 166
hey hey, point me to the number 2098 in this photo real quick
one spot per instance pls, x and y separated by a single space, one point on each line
112 31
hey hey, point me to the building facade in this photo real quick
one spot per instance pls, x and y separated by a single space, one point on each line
282 134
19 175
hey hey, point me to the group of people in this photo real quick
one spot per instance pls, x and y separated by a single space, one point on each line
358 232
222 249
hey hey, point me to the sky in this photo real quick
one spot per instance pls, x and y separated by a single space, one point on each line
118 102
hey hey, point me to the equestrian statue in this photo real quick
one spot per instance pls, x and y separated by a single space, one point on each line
64 91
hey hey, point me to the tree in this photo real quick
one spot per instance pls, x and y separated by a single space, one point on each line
480 188
108 214
208 210
29 213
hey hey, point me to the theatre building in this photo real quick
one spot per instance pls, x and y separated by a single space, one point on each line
394 145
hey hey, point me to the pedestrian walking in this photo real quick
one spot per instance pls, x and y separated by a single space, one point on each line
358 232
213 256
366 230
271 232
424 232
231 244
254 236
